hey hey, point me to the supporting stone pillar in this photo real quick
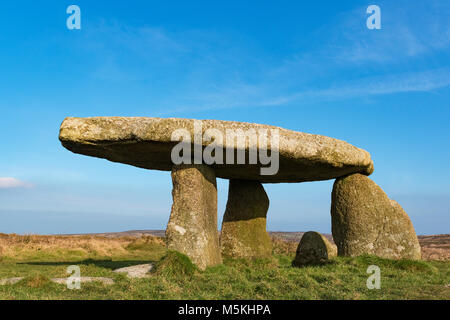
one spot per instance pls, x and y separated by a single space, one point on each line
365 221
192 227
244 223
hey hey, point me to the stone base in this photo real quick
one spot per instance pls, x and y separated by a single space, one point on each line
192 227
366 221
244 232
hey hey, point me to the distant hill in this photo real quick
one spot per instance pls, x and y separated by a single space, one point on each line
434 247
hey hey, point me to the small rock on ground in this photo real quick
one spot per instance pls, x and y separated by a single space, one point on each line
137 271
85 279
59 280
10 281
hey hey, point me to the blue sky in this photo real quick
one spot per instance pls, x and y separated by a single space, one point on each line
309 66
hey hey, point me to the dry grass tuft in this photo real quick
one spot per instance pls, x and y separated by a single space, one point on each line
37 281
435 247
284 247
145 242
22 247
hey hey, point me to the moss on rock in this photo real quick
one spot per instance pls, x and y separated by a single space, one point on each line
244 232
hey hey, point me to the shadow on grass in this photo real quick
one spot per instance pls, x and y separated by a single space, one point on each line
313 264
107 264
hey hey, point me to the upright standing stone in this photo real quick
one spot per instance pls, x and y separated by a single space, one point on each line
192 227
314 248
244 223
366 221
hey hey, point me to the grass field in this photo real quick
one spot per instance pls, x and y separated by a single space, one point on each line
39 258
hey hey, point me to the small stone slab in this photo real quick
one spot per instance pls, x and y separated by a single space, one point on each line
137 271
10 281
146 143
107 281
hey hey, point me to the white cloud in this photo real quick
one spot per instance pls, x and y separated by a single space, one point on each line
419 32
244 95
220 72
8 183
397 83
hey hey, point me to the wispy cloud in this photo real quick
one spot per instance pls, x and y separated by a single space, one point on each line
371 86
219 72
9 183
410 30
381 85
124 52
350 62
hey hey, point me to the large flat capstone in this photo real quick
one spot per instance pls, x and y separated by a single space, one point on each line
147 143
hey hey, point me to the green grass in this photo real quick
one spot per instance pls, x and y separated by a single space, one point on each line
174 264
176 278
